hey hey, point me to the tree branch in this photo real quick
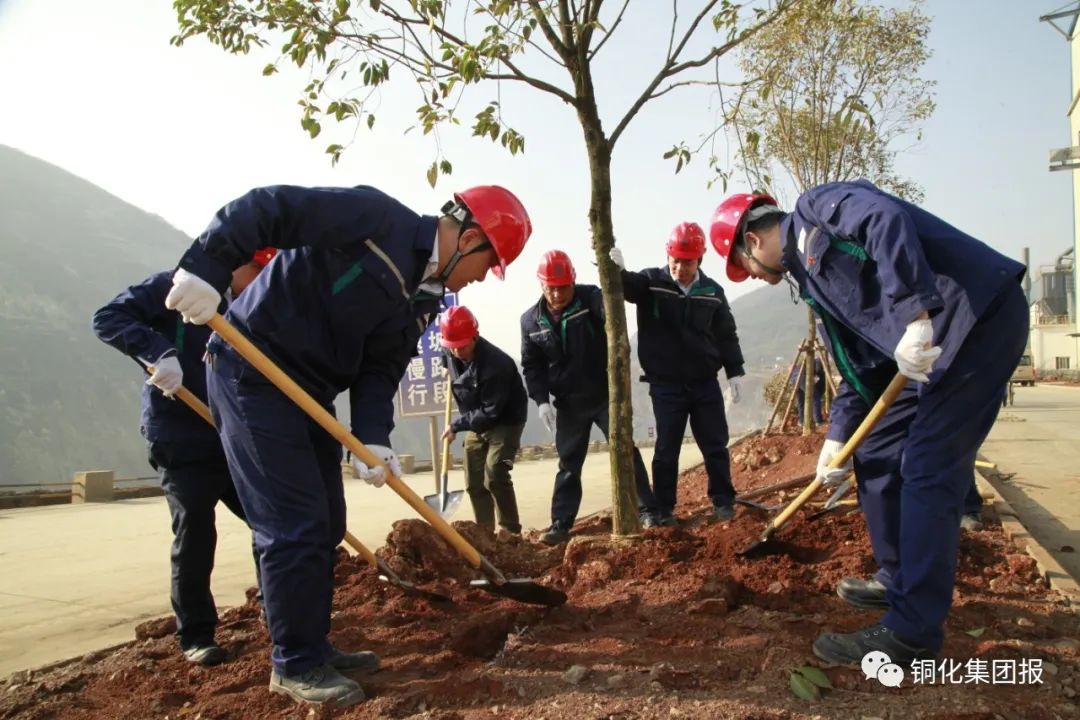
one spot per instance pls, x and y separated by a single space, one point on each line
610 30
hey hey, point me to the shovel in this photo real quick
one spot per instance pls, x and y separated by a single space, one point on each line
834 500
388 574
761 545
523 590
445 502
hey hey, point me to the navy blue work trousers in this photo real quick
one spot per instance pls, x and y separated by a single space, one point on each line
194 477
703 404
915 470
287 472
572 428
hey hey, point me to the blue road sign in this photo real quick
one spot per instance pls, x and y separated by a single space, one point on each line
422 390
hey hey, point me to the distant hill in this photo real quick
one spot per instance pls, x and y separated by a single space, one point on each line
68 402
66 247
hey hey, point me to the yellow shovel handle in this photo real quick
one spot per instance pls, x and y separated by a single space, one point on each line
199 407
329 423
864 429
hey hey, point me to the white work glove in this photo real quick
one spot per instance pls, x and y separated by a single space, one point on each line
914 356
376 476
547 416
195 299
835 476
167 377
734 386
616 257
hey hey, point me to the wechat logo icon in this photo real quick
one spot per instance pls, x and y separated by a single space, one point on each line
879 666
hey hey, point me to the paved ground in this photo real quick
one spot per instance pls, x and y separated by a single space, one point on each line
79 577
1038 439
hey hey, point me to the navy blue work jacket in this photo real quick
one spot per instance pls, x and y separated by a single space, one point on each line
136 323
488 390
869 263
334 304
566 360
682 338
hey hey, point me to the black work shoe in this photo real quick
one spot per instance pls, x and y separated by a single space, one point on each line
319 685
351 661
865 594
723 513
850 648
667 521
555 535
206 654
971 522
648 520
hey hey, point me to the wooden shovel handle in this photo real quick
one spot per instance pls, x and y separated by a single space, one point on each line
190 400
446 425
329 423
199 407
352 541
856 439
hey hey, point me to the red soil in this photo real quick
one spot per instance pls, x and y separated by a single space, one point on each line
672 624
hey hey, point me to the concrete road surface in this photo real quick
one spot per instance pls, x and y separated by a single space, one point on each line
1038 439
74 578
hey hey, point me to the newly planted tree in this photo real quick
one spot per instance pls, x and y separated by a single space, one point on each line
448 49
833 92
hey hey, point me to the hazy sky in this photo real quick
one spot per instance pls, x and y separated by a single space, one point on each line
95 88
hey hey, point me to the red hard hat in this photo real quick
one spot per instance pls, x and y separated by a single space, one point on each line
687 242
726 225
556 270
503 219
458 327
263 256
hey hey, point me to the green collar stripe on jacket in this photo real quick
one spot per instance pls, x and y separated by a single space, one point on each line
843 363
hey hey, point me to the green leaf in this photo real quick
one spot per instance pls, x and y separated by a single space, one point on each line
270 69
370 121
815 676
977 632
432 174
803 688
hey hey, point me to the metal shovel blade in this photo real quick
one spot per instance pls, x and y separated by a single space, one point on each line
834 500
449 501
523 590
445 503
410 589
759 506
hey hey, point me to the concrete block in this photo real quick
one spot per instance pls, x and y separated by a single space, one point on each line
408 464
92 486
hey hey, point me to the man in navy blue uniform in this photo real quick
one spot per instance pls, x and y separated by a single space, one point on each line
686 335
182 446
492 404
898 290
332 311
564 359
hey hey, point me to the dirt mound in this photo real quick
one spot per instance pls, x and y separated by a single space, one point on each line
671 624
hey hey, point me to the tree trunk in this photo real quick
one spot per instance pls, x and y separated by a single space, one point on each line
808 388
624 520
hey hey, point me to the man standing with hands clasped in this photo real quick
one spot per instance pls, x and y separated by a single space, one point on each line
901 290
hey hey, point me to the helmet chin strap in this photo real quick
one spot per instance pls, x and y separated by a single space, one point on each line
763 266
464 219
